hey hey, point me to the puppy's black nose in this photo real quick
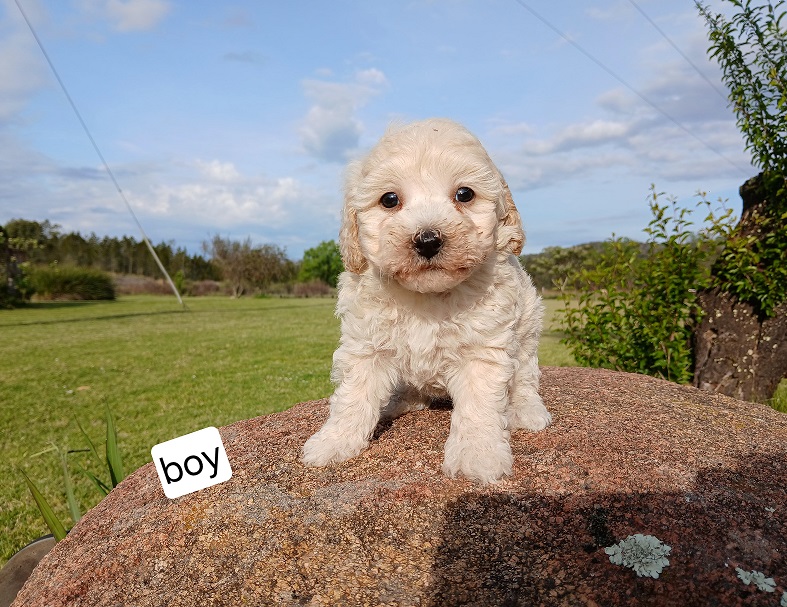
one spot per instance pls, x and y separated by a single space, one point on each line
427 243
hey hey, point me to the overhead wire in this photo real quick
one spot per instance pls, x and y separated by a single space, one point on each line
679 51
625 83
98 152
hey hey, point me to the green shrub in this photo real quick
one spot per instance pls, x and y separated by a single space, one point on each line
15 289
753 266
750 45
180 281
636 311
66 282
323 263
779 400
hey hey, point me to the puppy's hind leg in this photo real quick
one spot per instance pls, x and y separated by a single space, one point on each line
365 387
526 409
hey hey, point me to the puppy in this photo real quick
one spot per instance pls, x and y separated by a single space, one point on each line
433 302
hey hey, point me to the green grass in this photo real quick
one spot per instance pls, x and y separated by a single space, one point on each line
551 352
779 400
162 371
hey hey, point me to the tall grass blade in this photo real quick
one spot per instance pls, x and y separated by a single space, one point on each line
93 449
101 485
114 460
47 450
50 518
71 500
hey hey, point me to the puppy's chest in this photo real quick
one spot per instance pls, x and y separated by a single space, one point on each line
427 351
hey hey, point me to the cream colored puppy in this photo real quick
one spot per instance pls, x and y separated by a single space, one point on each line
433 302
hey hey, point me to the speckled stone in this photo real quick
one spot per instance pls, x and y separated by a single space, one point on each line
626 454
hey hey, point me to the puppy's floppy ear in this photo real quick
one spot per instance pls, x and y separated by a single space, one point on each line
349 241
510 235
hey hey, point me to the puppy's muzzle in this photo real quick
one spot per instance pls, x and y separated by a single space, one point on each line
427 243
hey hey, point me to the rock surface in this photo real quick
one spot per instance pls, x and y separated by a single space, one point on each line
626 454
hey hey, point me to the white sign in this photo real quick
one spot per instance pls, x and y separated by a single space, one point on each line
191 462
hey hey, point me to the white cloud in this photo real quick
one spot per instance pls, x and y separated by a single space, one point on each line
331 132
590 134
264 202
331 129
524 170
218 171
284 210
129 15
643 144
22 72
691 136
371 77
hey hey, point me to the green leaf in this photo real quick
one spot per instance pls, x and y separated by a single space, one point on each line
93 449
50 518
73 505
114 460
100 485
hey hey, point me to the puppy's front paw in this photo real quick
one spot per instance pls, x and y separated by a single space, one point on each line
328 446
533 416
477 460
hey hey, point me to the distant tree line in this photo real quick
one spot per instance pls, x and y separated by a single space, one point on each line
44 244
27 247
552 267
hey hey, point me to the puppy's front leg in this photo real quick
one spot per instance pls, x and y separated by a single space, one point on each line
365 387
477 444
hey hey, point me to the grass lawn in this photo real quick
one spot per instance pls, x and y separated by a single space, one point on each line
162 371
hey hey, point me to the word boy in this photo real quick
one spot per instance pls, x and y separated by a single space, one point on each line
191 462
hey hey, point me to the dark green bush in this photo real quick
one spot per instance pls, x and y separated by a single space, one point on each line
636 312
66 282
323 263
753 264
750 45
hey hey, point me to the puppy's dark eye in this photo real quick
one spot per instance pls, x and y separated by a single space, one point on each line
464 195
389 200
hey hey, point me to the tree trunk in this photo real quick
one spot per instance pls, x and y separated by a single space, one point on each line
737 350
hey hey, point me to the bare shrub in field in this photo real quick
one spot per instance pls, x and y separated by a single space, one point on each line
278 289
200 288
246 268
313 288
134 284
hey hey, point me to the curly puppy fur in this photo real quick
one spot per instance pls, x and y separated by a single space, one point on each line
433 302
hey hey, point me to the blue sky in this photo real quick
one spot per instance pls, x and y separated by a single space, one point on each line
237 117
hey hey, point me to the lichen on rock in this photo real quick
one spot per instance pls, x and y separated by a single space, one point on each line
645 554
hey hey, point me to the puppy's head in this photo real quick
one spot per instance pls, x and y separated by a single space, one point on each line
426 207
